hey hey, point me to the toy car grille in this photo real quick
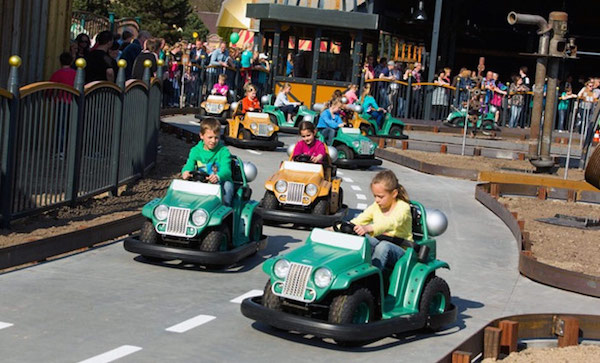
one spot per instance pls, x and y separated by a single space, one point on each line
365 147
213 108
295 193
263 130
177 221
296 281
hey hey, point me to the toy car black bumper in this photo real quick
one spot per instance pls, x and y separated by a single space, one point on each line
305 218
252 308
397 137
288 129
222 118
357 163
253 143
224 258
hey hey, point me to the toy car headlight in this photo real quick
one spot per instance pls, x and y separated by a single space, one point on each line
373 146
253 126
199 217
307 118
281 186
323 277
356 143
311 189
270 128
281 268
161 212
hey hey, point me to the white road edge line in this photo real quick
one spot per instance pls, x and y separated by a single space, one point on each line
340 173
361 197
362 206
348 180
356 187
113 355
190 323
254 152
5 325
251 293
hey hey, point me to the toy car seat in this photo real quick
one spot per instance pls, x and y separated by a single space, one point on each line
238 181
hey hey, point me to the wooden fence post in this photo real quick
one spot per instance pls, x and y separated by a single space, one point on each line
491 342
509 336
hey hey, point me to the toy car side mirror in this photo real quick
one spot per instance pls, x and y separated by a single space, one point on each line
265 100
290 149
246 193
250 171
436 221
318 107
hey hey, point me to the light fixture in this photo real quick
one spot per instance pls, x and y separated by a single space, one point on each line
420 13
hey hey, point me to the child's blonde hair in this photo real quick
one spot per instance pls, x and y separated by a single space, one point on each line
210 124
249 87
366 90
388 179
223 77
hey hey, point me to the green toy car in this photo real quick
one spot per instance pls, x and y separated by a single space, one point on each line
392 127
486 122
353 149
329 288
279 119
191 223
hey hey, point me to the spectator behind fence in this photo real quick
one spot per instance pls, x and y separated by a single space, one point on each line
66 74
99 63
131 52
80 48
523 75
563 107
113 52
218 58
126 39
149 53
516 100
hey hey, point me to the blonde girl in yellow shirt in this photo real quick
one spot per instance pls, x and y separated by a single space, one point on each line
390 215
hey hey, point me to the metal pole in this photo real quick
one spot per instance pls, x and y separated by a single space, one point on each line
464 140
570 138
435 35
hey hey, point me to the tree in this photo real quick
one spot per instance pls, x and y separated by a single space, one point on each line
193 23
98 7
212 6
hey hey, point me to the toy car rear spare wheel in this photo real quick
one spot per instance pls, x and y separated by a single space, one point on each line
435 298
344 152
216 240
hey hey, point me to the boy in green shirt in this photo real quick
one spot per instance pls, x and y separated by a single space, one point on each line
213 158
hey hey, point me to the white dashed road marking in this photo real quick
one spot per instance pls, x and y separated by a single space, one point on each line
113 355
355 187
251 293
361 206
254 152
361 197
348 180
340 173
190 323
5 325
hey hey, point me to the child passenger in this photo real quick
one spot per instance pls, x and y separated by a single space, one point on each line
309 144
390 215
330 121
211 157
220 88
250 102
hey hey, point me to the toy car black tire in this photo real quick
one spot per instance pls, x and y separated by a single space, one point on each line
269 299
321 207
246 135
256 227
214 239
148 234
367 130
346 151
269 201
433 287
396 131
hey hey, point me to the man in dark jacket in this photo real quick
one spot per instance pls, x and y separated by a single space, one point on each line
134 49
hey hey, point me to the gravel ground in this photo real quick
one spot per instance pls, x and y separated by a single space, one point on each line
574 354
104 208
569 248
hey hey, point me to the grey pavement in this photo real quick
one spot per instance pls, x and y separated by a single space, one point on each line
82 306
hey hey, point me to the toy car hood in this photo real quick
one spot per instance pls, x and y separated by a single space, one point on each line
193 195
295 172
216 99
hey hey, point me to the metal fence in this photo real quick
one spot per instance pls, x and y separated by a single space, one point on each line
61 144
92 24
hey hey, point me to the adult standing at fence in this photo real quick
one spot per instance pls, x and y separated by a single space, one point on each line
126 39
516 100
586 101
439 98
523 75
133 50
150 53
218 58
80 48
416 91
99 63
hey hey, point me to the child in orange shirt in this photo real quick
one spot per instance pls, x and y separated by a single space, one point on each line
250 102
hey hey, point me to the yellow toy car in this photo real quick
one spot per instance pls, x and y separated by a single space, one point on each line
251 130
304 193
215 106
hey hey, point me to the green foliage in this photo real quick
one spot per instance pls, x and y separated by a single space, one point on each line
98 7
224 33
193 23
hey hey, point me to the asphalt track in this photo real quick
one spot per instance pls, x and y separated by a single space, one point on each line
106 304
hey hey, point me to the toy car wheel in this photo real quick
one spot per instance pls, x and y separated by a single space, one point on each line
269 201
149 235
395 131
322 207
216 240
487 127
273 119
344 152
226 131
456 121
256 227
202 112
244 134
269 299
357 307
435 298
367 130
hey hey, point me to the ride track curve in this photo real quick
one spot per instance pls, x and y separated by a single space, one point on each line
107 300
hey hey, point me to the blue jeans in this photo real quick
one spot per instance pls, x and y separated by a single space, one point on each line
328 133
227 189
515 113
378 116
384 253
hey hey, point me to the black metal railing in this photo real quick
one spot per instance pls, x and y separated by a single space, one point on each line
61 144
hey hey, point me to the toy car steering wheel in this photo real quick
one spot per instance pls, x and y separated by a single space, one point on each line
302 158
199 176
344 227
